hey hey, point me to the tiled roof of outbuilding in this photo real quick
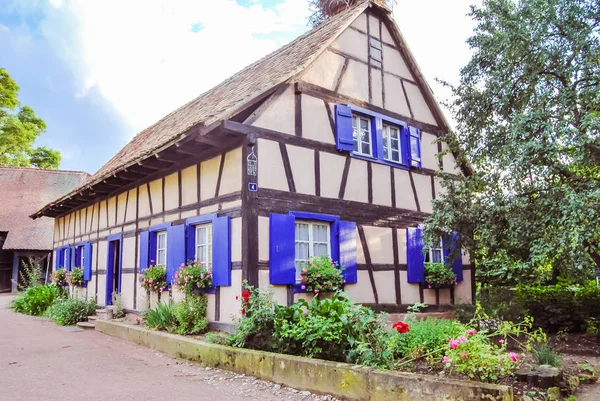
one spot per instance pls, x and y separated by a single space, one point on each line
25 190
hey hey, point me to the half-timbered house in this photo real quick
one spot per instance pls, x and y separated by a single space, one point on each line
328 145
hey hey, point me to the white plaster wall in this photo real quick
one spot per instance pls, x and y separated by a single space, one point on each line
230 307
355 82
382 185
144 201
386 37
360 22
439 190
409 292
102 215
418 105
449 161
445 298
211 301
462 291
112 210
128 253
189 182
236 239
325 70
271 173
122 204
130 213
429 296
303 168
316 124
405 198
394 96
332 169
394 62
156 193
402 246
263 239
353 43
127 284
429 151
377 88
379 241
423 186
280 114
356 186
231 181
171 191
361 292
374 26
209 173
386 286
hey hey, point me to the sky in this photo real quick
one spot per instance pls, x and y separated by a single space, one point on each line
100 71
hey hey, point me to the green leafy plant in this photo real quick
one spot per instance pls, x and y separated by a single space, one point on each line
321 275
30 274
36 300
586 367
69 311
118 305
255 327
427 337
162 317
439 275
75 277
154 278
59 277
193 275
544 354
191 315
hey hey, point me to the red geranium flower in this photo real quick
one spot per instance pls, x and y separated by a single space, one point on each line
243 311
246 296
401 327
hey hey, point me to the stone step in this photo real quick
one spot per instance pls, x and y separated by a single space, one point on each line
86 325
92 318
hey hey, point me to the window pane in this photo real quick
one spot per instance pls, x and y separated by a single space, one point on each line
364 124
301 232
365 136
394 133
366 149
201 235
437 256
320 249
395 156
394 144
302 250
414 147
319 233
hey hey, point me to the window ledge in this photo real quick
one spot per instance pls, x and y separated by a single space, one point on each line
380 161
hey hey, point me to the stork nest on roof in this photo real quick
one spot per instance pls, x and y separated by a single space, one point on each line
323 9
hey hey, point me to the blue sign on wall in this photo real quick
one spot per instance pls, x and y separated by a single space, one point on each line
252 186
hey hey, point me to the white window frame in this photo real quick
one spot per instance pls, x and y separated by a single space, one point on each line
440 248
65 257
207 254
387 143
357 138
82 258
310 242
158 235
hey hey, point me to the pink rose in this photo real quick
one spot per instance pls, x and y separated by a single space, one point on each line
446 360
471 332
501 341
304 270
316 291
463 354
202 276
461 340
513 356
303 287
150 281
453 344
318 275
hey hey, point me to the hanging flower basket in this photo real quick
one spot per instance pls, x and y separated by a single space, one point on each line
74 278
321 275
154 278
195 277
439 275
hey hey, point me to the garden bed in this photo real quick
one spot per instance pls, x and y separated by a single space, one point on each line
325 377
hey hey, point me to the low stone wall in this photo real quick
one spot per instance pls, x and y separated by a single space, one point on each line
324 377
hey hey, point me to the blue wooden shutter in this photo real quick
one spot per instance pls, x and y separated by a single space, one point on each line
415 147
69 250
347 241
144 253
190 241
57 261
450 243
343 128
282 249
87 261
415 258
175 250
221 245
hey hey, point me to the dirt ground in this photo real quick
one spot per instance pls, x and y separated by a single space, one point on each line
42 361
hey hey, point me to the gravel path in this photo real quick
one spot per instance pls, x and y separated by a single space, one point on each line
42 361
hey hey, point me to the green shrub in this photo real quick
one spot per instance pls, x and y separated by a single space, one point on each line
546 355
439 275
427 337
118 305
30 275
35 300
195 274
154 278
75 277
191 315
59 277
321 274
66 312
255 328
162 317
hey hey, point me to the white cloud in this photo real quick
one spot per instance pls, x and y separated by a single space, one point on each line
4 28
56 3
144 57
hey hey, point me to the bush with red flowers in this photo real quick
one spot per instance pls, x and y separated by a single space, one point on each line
401 327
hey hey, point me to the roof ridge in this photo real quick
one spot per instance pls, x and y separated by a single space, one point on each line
37 169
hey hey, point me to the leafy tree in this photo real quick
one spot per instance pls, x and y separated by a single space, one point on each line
19 130
528 119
